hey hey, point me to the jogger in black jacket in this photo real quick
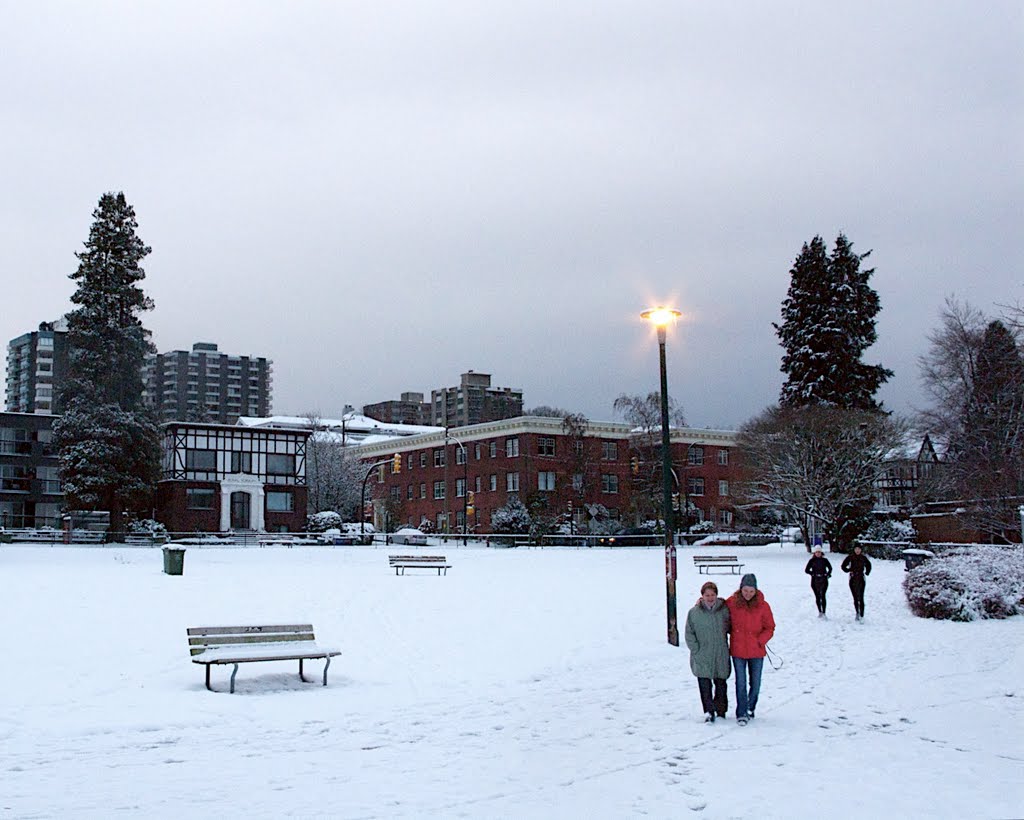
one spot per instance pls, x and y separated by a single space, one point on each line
858 565
820 570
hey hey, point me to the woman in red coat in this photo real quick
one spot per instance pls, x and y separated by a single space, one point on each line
752 628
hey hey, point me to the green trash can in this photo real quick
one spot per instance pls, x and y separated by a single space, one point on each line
174 560
6 538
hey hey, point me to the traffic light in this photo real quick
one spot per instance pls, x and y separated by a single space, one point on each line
675 501
634 465
396 463
469 503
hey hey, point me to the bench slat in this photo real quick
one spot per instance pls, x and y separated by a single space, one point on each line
248 630
417 560
249 640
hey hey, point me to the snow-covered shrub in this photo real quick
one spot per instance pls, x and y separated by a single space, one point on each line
146 526
890 529
882 550
323 521
512 518
967 584
703 526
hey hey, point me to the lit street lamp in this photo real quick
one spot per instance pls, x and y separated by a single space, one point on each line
661 317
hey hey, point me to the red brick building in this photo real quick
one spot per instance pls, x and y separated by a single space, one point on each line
540 460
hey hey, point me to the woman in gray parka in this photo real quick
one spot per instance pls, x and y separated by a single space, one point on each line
707 636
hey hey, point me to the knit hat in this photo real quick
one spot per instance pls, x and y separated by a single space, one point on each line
749 580
817 548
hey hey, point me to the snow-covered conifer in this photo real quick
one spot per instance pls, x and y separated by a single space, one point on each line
828 321
108 446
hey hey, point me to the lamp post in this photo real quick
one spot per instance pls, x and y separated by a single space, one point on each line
465 486
362 497
661 317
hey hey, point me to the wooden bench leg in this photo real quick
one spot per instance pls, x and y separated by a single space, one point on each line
208 678
233 673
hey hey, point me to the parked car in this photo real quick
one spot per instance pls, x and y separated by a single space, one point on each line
410 536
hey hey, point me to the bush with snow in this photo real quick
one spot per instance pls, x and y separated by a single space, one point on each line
512 518
703 526
890 529
146 526
967 584
882 550
323 521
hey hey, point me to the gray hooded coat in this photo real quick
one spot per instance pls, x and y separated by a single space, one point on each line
707 633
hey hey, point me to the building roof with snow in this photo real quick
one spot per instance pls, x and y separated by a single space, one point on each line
350 429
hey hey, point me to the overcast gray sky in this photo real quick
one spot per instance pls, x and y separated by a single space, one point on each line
380 196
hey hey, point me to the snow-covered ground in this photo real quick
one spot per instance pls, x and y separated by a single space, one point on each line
525 684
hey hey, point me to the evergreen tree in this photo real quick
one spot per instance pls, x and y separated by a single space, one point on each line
108 446
828 321
993 414
987 448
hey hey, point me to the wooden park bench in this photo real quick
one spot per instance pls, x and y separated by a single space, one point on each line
253 644
403 562
705 563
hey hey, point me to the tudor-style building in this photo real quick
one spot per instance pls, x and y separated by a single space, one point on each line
537 458
218 477
907 469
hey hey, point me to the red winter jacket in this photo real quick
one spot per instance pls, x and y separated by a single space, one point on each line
752 625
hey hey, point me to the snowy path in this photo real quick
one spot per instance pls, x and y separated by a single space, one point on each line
525 684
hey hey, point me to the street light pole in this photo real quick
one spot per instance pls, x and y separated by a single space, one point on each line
661 317
362 498
465 486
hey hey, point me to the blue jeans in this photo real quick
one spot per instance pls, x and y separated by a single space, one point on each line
746 698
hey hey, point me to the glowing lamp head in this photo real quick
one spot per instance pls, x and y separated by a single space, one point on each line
660 316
